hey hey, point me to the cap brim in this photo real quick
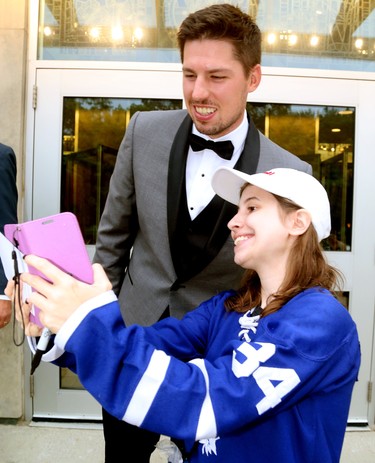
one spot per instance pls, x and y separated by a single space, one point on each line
227 183
300 187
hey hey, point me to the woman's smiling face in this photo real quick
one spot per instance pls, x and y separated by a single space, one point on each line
260 230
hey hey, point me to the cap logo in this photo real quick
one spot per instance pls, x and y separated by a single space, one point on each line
269 172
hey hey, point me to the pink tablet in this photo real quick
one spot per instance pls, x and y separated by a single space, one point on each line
57 238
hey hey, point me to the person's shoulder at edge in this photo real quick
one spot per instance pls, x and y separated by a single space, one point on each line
6 149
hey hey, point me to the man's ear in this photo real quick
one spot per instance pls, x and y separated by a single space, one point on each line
254 78
300 222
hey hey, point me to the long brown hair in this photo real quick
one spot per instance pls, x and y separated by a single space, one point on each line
307 267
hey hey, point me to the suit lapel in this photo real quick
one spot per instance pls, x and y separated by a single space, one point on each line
176 173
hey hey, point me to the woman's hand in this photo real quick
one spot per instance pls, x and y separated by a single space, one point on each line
59 297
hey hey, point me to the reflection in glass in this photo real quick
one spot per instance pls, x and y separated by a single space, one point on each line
334 34
92 132
94 127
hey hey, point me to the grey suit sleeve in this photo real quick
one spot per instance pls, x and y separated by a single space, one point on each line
8 196
119 222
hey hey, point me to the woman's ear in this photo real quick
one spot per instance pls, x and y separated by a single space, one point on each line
301 221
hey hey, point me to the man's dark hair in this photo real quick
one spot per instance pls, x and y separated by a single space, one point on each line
224 22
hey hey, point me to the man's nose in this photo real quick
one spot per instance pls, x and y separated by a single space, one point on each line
200 90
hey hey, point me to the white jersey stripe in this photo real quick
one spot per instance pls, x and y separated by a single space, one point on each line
207 422
147 388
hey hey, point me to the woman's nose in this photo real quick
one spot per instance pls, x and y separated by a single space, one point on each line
234 222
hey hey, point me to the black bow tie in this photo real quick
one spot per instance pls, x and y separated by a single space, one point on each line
224 149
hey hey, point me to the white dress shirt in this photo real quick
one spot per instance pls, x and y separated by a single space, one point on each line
201 165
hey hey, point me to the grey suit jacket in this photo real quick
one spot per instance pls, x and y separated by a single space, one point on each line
136 226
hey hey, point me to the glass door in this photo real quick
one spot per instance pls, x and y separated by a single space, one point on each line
79 121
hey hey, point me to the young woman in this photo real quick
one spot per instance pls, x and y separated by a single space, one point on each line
261 374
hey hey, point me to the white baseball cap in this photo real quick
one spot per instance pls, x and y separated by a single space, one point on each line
299 187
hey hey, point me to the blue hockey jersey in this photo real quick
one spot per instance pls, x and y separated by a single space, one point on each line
233 387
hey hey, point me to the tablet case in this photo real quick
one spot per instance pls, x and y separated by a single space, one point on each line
57 238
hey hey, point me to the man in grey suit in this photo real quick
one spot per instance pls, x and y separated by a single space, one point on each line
8 214
163 238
